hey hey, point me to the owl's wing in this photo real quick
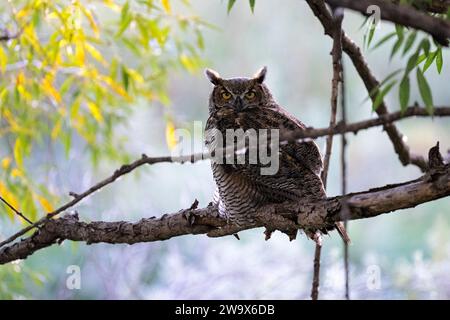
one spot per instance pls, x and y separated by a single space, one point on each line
307 153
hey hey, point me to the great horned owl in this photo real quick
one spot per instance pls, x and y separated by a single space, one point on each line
246 103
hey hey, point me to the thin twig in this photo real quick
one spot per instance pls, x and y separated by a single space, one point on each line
336 53
17 212
316 274
344 175
6 36
382 120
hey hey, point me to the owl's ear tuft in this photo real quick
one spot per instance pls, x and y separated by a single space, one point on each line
260 75
213 76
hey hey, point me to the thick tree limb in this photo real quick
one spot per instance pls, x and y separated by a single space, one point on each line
433 6
402 14
309 133
372 84
433 185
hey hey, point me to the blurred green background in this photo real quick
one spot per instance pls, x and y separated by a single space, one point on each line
407 251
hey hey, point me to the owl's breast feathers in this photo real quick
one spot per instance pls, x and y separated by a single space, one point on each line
305 154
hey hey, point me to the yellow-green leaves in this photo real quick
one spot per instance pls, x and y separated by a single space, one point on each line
166 5
46 205
49 89
10 198
5 163
170 135
74 73
95 111
90 17
19 152
3 60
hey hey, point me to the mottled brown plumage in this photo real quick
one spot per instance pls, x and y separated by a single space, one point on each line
246 103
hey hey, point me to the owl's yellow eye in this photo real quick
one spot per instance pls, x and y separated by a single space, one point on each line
250 95
226 95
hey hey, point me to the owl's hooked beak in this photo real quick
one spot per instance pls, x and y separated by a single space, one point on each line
238 105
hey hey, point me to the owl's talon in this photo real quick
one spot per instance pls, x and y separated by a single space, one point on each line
236 236
268 233
224 231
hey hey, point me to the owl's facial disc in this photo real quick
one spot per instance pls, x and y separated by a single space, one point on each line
236 95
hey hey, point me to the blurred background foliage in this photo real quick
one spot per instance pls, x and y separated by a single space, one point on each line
88 85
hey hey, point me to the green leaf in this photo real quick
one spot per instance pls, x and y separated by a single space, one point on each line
425 91
439 60
396 46
371 34
125 78
409 42
383 40
425 45
404 93
125 11
252 5
124 25
381 94
399 30
412 63
125 19
363 23
230 4
429 60
385 80
200 41
421 58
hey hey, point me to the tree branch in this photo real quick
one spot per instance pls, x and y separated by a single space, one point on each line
7 36
383 119
402 14
372 84
433 185
336 53
344 178
17 212
309 133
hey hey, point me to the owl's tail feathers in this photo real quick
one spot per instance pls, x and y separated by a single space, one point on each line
342 232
